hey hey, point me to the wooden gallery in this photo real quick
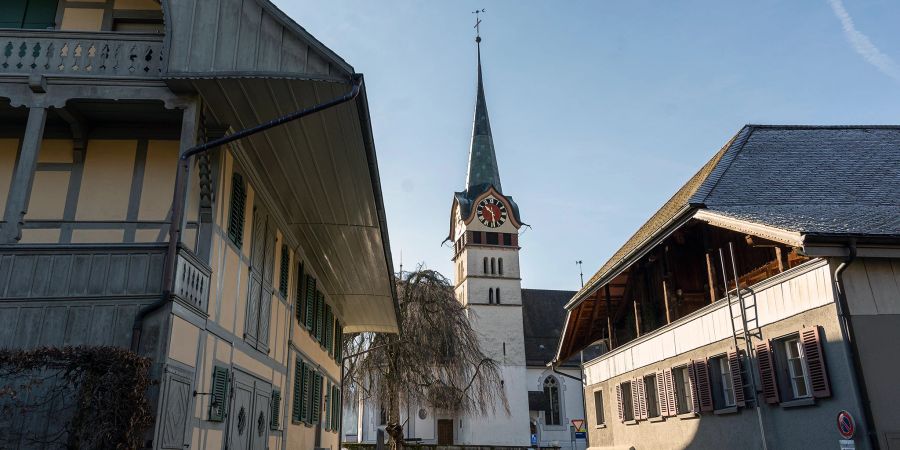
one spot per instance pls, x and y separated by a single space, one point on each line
759 303
281 243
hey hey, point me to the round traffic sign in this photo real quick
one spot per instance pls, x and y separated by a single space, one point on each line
846 425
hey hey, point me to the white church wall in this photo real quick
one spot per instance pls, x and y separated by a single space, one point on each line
571 406
475 261
499 428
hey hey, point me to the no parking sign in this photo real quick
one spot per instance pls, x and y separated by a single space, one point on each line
846 425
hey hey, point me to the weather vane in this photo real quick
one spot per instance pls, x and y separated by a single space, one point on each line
478 24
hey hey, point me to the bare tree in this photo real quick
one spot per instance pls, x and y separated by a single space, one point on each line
436 359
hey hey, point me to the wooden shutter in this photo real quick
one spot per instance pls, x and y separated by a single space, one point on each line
317 398
737 381
40 14
336 404
285 268
328 400
815 361
298 302
310 301
320 316
329 330
642 403
670 392
297 406
338 342
662 396
619 403
219 394
276 409
704 391
305 396
635 399
695 397
766 361
238 210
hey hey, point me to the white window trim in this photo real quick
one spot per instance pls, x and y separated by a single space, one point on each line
804 369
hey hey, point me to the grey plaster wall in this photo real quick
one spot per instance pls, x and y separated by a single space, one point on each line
803 427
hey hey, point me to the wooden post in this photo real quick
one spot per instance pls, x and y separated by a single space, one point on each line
23 177
781 256
609 324
665 289
711 275
637 318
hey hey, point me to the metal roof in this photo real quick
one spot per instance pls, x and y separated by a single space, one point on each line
483 170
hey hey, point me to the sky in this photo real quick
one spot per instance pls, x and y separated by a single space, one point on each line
600 110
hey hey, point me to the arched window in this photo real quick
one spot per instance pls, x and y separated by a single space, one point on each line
551 391
490 296
493 266
485 265
500 266
497 296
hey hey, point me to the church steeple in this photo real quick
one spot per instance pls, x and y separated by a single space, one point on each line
483 168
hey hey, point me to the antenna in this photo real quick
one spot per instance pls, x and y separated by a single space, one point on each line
580 272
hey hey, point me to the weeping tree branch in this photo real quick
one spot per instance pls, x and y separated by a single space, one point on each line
436 362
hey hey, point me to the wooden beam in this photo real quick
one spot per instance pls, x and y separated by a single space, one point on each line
781 257
637 317
668 307
609 322
711 275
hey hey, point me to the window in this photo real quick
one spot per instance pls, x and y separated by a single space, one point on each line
683 394
507 239
723 384
490 296
493 266
335 407
285 268
796 367
300 408
651 396
260 285
491 238
476 237
598 408
315 406
551 391
30 14
626 404
310 315
500 266
300 310
319 331
237 213
486 266
497 296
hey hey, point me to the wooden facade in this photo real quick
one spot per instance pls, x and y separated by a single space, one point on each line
272 267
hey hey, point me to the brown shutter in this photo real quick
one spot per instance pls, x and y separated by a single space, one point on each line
766 364
635 400
670 392
619 401
643 391
695 398
815 362
734 363
662 394
703 387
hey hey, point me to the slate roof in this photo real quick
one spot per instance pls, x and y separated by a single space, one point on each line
483 168
814 180
543 316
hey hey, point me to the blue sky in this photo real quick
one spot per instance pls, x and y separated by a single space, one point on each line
600 109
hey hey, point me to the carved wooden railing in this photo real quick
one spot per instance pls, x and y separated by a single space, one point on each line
191 280
50 52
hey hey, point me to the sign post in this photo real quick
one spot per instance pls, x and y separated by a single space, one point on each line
579 429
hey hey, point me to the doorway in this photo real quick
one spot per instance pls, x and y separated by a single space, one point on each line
248 421
445 432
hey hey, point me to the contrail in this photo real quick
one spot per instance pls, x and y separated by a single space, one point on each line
862 44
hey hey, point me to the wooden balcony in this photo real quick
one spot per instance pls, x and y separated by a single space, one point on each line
101 54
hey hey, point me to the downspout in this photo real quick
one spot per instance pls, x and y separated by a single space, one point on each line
849 338
178 197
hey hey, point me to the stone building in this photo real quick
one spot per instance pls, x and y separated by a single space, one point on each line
284 245
759 303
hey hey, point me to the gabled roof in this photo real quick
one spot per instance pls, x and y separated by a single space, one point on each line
813 180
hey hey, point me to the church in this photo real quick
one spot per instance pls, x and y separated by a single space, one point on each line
518 327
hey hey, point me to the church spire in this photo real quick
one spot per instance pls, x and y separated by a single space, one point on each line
483 168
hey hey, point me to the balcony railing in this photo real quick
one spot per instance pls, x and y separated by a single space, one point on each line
60 272
51 52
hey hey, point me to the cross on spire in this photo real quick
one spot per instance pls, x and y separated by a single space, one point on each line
478 24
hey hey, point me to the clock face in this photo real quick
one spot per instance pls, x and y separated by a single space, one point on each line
491 212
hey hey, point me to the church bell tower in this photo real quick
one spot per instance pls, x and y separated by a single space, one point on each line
484 229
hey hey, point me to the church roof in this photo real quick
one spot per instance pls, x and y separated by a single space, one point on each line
543 316
483 168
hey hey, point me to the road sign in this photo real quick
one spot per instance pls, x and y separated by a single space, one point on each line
579 425
846 425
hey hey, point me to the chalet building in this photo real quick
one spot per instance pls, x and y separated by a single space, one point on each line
284 245
757 304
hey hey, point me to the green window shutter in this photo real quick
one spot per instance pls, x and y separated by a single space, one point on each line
40 14
218 402
299 305
316 407
335 407
320 316
12 14
276 409
285 268
305 395
238 206
329 330
297 405
328 411
338 341
310 302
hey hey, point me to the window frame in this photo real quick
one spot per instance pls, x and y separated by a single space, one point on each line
599 412
551 387
796 343
627 401
651 396
684 400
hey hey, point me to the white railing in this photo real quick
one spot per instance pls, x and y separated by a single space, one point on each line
800 289
76 53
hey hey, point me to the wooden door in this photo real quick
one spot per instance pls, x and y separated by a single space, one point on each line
445 432
249 416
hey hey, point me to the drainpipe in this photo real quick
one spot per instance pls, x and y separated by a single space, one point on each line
849 338
178 204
